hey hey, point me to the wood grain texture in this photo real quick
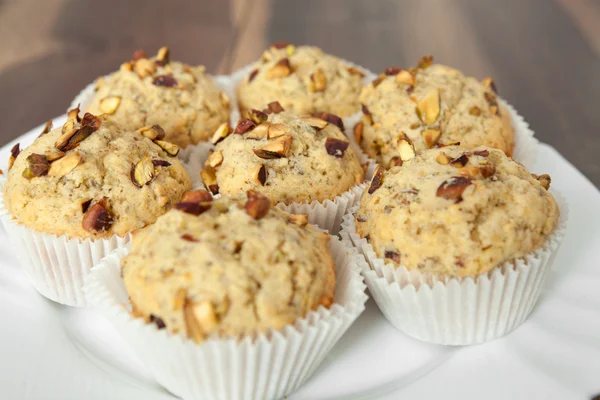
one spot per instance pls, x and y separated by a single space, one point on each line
544 55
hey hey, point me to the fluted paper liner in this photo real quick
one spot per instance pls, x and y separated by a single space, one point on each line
458 311
326 215
56 265
269 366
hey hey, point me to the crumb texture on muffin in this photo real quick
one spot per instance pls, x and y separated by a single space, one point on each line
287 157
456 212
183 99
93 178
408 111
303 79
229 267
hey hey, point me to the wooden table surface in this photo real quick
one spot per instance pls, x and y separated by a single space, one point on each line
543 54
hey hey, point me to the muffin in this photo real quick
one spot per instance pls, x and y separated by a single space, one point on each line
183 100
93 178
303 79
457 212
458 241
79 191
289 158
229 266
408 111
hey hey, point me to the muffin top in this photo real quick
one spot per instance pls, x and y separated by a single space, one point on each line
408 111
303 79
229 266
183 100
456 212
92 178
287 157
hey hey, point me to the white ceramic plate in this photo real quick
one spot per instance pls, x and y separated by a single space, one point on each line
49 351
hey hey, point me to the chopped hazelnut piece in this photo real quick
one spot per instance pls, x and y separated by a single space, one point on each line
315 122
97 219
109 105
404 76
298 219
209 177
259 132
221 133
318 81
196 196
453 188
165 80
257 205
66 164
275 107
336 147
428 109
276 130
276 149
215 159
154 132
358 131
170 148
280 70
142 173
244 126
476 111
406 149
37 166
430 137
377 180
257 116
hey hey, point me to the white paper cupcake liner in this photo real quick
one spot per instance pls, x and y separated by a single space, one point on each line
269 366
56 265
458 311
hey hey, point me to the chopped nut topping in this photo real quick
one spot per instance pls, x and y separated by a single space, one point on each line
378 80
72 138
154 132
259 132
396 162
404 76
215 159
469 172
165 80
193 208
392 255
161 163
257 116
138 54
358 131
261 175
275 107
377 179
367 114
430 137
200 319
428 109
142 173
163 56
244 126
14 153
481 153
85 204
276 130
66 164
252 75
332 119
257 205
38 166
336 147
318 81
97 219
196 196
390 71
188 238
544 179
47 128
493 102
170 148
489 83
355 71
487 170
144 67
406 149
460 161
126 66
476 111
280 70
282 44
298 219
425 62
209 177
453 188
73 115
443 159
91 120
276 149
221 133
109 105
54 155
315 122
